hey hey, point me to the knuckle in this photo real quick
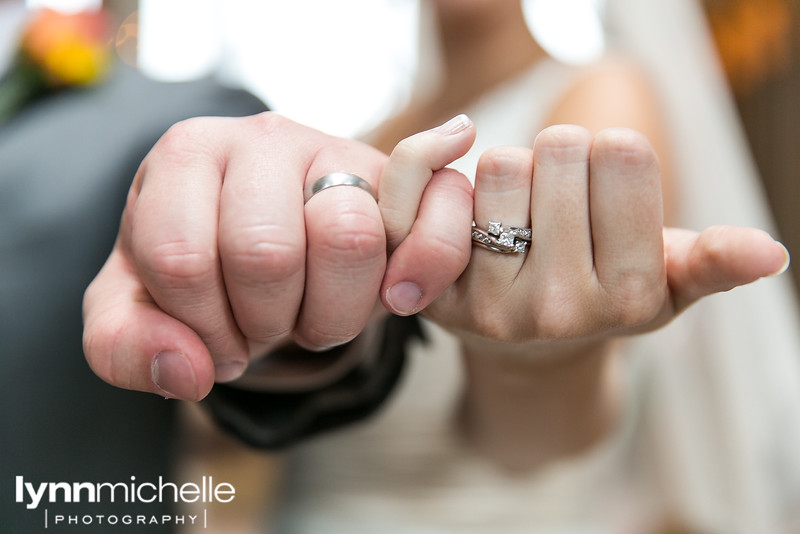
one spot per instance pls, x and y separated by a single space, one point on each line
418 154
559 323
329 155
448 255
263 253
636 301
268 335
623 147
454 186
407 150
505 162
328 335
354 235
562 144
181 132
546 324
713 243
180 264
709 254
562 311
494 324
186 141
269 122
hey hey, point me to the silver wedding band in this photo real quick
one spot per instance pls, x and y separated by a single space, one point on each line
336 179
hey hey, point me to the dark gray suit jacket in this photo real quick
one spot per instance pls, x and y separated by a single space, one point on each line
65 165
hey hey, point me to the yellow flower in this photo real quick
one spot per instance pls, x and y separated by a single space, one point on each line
70 49
56 51
73 62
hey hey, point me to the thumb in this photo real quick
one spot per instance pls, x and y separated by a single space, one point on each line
131 343
719 259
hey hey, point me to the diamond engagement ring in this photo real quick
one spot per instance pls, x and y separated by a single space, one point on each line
335 179
502 240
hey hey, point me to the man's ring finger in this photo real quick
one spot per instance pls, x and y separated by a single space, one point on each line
336 179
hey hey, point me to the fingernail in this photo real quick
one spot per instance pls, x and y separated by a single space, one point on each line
457 124
786 262
404 298
173 374
225 372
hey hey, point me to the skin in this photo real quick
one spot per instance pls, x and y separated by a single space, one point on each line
537 354
540 331
165 288
218 259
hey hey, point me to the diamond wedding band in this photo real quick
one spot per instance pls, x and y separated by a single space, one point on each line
502 240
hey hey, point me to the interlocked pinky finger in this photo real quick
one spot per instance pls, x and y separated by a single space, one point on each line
410 168
437 249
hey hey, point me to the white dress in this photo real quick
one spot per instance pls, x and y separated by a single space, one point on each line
710 432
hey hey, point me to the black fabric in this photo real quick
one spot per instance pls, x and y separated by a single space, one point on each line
275 421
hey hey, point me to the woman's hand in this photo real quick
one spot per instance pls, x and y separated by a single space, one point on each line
537 328
600 263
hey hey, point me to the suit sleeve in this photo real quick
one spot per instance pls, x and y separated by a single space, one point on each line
278 420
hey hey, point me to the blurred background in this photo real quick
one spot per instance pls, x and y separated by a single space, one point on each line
297 62
237 40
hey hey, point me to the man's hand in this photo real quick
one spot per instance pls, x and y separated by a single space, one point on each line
218 259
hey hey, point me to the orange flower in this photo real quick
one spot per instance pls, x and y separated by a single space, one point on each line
70 49
753 38
56 51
